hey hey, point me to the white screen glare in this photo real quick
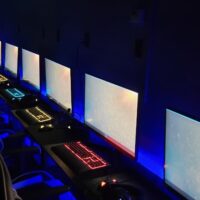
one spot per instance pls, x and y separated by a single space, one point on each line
31 68
11 58
58 83
112 111
182 149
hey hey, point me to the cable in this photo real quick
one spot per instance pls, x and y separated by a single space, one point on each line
33 172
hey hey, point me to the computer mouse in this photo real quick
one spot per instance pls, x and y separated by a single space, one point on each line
118 192
46 127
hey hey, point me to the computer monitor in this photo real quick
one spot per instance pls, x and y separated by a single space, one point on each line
58 83
31 68
182 150
11 58
111 110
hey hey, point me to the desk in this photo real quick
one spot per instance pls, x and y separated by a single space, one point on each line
58 135
87 183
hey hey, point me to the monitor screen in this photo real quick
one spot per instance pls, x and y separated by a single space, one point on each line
31 68
111 110
182 149
58 83
11 58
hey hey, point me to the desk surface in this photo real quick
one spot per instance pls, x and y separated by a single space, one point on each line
88 181
57 135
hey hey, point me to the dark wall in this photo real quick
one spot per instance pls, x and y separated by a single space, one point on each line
105 38
173 79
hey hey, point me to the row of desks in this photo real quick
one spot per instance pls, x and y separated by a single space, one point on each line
65 129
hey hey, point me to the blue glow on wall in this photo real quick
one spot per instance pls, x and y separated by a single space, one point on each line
78 112
78 94
43 89
151 162
20 72
29 86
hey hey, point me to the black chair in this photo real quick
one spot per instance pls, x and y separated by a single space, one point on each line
7 191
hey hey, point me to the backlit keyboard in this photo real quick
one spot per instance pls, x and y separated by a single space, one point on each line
2 78
15 93
85 155
38 114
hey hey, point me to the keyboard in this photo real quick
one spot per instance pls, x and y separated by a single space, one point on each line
82 156
38 114
2 78
15 93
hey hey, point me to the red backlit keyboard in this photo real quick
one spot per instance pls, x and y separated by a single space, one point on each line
86 155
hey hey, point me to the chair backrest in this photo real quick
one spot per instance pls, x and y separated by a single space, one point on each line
7 191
